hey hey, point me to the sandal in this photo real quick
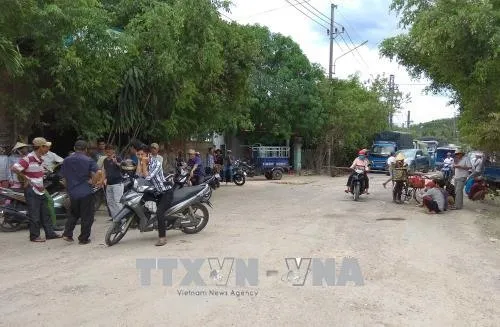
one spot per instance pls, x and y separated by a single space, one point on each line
161 242
38 240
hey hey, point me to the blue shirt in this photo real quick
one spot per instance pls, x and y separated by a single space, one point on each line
77 169
197 161
134 159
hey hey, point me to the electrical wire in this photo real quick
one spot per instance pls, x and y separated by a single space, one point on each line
314 14
307 15
268 11
314 8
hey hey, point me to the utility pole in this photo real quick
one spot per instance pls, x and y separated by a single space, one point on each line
391 96
408 121
332 32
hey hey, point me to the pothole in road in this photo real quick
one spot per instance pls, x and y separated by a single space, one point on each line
395 219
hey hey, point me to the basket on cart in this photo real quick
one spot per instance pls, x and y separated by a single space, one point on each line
416 182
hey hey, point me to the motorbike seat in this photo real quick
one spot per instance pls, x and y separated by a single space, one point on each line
186 192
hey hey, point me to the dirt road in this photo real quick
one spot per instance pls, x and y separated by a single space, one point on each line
418 270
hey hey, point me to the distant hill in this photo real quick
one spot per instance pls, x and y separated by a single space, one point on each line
442 130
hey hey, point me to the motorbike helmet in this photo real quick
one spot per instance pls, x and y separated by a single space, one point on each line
128 165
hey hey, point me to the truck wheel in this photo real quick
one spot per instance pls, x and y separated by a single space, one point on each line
277 174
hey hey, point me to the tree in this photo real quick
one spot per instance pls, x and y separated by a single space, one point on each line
284 94
456 45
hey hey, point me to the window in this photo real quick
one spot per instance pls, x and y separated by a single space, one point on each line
382 149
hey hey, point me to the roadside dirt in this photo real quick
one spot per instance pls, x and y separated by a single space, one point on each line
418 269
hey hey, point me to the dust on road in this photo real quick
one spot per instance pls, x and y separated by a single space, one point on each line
418 270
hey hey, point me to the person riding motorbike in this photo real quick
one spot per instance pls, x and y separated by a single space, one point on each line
448 163
361 162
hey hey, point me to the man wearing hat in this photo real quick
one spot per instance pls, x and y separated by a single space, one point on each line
18 151
462 168
155 149
79 170
31 168
400 176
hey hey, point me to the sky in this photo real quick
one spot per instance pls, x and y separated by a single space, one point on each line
363 20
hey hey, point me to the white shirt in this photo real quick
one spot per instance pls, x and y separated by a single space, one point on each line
449 161
460 172
50 159
391 160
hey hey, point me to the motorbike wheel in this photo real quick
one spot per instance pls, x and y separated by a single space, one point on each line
418 195
277 175
113 236
9 226
356 192
202 221
239 179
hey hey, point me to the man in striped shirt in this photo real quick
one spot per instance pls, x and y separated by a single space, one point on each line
152 170
31 168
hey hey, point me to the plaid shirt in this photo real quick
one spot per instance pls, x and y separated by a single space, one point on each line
155 175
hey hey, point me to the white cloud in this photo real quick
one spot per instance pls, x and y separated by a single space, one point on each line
364 20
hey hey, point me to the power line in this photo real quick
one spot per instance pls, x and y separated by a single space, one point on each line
307 15
270 10
314 14
310 5
357 51
352 28
350 50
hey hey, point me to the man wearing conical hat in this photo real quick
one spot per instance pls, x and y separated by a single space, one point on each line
400 176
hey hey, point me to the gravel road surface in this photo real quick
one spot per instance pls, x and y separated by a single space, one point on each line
417 269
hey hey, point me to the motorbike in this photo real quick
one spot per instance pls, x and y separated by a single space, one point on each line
446 170
358 186
139 210
238 175
14 211
245 167
181 178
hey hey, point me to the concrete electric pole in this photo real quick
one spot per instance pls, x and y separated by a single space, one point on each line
332 33
391 95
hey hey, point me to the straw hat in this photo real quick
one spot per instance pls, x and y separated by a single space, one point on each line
400 157
191 151
40 141
19 145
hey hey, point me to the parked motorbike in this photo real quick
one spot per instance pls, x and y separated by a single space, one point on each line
181 178
358 186
245 167
238 175
14 211
139 209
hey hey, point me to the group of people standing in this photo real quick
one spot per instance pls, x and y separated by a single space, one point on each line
215 163
440 193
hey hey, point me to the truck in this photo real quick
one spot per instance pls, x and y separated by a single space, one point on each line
386 142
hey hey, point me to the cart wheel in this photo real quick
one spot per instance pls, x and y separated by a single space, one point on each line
277 174
268 175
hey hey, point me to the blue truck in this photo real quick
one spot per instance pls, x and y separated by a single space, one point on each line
384 143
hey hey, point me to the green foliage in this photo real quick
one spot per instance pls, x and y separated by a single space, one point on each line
167 69
457 45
